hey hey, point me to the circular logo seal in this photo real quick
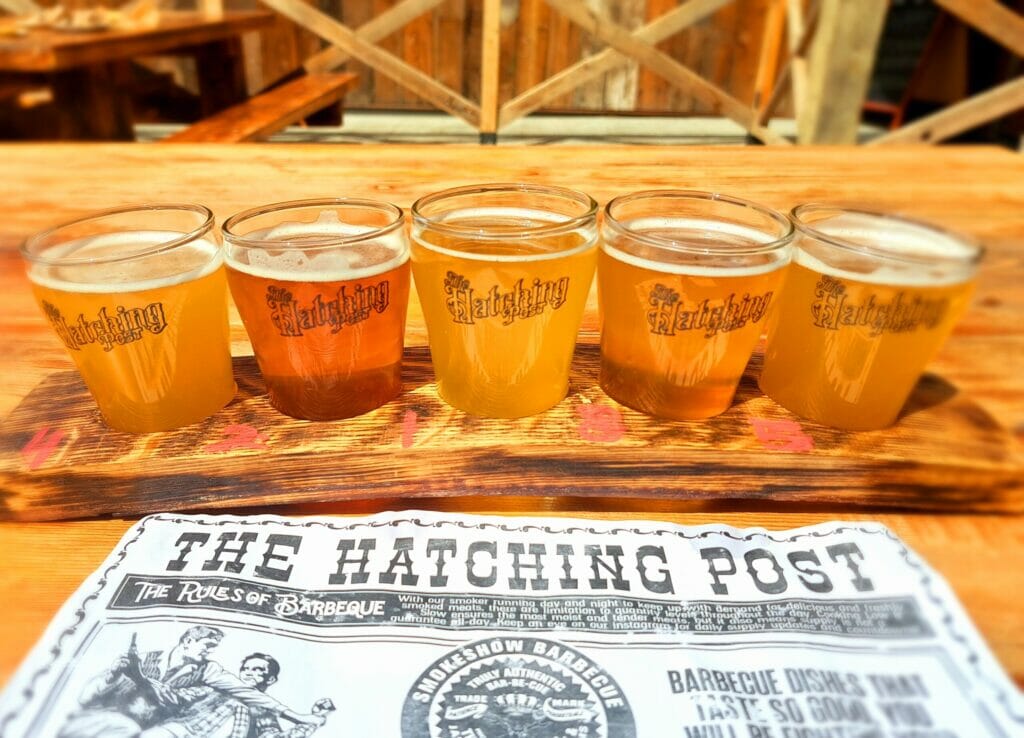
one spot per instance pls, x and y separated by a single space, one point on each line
516 688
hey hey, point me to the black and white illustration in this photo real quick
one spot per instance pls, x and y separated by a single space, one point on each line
185 692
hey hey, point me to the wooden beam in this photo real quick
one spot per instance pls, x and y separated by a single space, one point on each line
269 112
372 31
842 58
963 116
619 38
788 75
992 18
387 64
570 78
490 61
771 46
800 33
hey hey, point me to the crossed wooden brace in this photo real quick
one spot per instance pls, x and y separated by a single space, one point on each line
623 44
1003 26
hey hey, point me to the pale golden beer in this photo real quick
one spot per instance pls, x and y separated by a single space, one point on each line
503 274
139 299
686 282
869 300
322 287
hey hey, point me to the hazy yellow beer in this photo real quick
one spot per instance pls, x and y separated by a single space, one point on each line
503 273
139 299
686 281
869 300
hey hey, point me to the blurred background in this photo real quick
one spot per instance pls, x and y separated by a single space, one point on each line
514 71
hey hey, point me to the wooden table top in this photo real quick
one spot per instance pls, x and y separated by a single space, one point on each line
977 190
47 50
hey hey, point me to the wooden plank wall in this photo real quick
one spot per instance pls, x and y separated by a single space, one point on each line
537 42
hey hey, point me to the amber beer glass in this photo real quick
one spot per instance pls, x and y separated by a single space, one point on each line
138 297
322 287
686 281
869 300
503 273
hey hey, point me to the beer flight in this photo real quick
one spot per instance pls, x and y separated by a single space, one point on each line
853 303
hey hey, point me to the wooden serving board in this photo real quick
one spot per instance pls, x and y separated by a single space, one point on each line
58 460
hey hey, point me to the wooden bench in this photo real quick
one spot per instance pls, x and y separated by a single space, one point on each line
269 111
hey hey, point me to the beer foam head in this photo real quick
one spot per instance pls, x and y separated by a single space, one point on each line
125 262
695 247
879 249
504 234
325 250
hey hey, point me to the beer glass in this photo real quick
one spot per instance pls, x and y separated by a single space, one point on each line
686 281
503 273
322 287
869 300
137 295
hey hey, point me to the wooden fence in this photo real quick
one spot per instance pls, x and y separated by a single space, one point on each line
490 62
535 43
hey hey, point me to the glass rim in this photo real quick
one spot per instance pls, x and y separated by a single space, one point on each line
777 242
974 250
397 221
525 233
158 248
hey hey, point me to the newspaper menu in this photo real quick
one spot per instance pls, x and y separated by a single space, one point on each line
427 625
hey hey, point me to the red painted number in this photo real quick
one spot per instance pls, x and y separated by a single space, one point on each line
781 435
239 436
600 423
409 428
41 447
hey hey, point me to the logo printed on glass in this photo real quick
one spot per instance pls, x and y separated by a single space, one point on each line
346 308
126 325
670 314
903 314
467 305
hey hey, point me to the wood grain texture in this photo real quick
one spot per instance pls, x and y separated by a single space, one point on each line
585 446
269 112
975 554
48 51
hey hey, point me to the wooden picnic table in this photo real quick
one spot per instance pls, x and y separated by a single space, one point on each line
976 541
88 70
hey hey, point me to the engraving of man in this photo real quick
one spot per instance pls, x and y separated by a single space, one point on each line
260 671
206 701
125 699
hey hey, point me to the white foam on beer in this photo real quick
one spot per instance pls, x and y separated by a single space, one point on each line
490 224
694 235
898 239
183 263
318 263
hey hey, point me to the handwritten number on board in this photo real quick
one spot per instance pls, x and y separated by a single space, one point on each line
239 437
409 428
600 423
41 447
781 435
